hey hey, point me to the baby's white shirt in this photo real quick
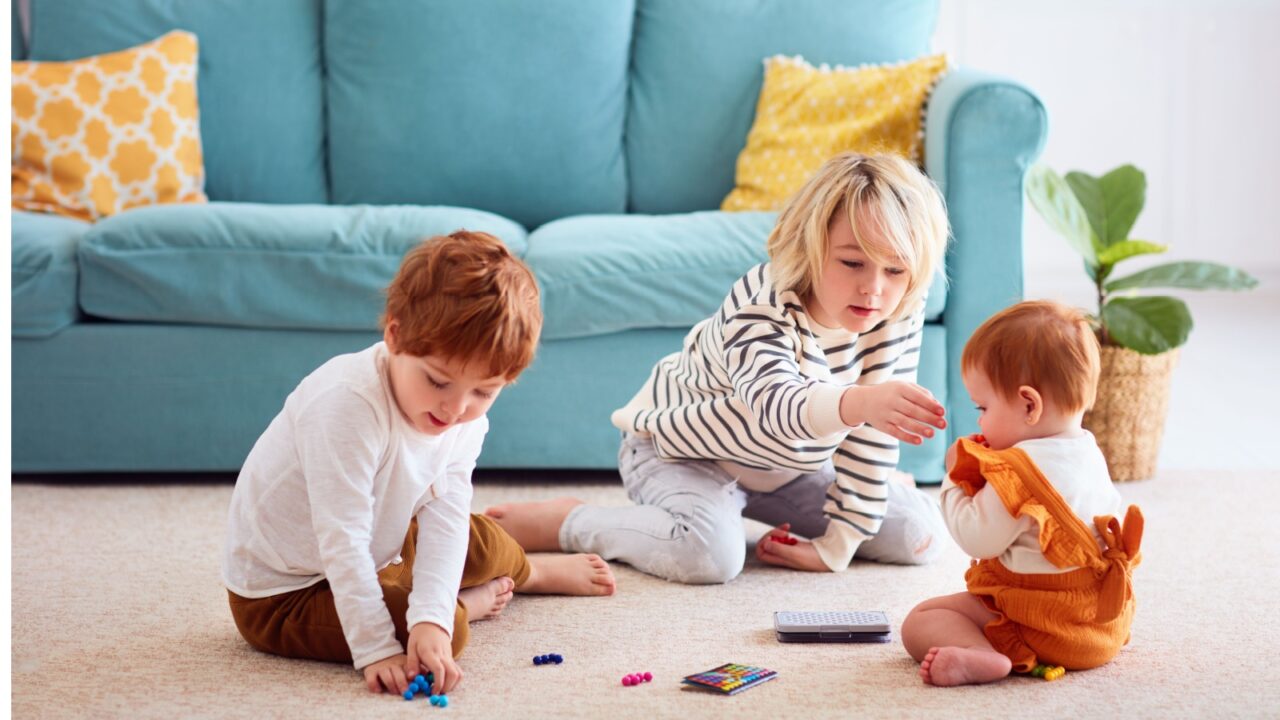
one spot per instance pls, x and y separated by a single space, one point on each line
983 527
328 492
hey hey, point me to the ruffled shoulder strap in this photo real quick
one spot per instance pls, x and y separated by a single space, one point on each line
1064 538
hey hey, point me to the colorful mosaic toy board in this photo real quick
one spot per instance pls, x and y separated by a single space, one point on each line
730 678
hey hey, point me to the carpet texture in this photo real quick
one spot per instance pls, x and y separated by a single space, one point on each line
118 611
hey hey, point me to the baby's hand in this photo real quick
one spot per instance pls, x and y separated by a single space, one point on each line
901 409
387 673
778 547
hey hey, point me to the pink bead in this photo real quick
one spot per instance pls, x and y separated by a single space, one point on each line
648 676
628 681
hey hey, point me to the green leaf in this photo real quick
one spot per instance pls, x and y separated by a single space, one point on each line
1190 275
1125 190
1112 202
1129 248
1149 325
1054 201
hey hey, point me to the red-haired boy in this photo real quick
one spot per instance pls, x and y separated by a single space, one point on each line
350 528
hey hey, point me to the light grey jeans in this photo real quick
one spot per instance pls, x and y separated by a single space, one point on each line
686 524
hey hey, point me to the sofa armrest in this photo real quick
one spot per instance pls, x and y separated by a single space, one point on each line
981 134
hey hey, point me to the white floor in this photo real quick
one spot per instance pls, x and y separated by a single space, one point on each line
1224 409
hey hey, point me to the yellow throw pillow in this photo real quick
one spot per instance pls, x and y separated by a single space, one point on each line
806 114
97 136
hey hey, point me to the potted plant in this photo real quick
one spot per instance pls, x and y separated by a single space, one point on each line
1140 334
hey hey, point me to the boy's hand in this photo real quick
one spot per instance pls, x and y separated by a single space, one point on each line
901 409
430 648
387 673
787 551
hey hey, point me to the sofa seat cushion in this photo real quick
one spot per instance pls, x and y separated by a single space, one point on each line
44 273
267 266
608 273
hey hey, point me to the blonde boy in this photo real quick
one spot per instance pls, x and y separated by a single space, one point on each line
1031 499
787 404
350 530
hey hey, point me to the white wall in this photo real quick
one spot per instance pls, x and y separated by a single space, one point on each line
1187 91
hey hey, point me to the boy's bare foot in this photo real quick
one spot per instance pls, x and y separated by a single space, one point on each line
582 574
903 478
487 601
963 666
534 525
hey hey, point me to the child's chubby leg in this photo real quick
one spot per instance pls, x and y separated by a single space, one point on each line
945 634
493 553
535 525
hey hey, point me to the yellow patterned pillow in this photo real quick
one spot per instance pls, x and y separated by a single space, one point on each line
96 136
806 114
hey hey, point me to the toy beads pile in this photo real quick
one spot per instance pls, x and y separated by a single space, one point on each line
1049 672
423 685
548 659
637 678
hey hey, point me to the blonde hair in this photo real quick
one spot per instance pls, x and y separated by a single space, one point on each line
885 191
1039 343
465 296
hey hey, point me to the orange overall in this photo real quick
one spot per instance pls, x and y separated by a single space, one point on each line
1078 619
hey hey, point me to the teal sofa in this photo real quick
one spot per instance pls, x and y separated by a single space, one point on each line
595 137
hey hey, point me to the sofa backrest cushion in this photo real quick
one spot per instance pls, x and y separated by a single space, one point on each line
697 69
508 106
259 82
17 40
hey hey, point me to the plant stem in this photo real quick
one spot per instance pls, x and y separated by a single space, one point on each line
1104 337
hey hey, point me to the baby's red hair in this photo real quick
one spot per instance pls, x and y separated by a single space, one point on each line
1039 343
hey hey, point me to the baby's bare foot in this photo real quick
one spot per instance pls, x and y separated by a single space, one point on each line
581 574
963 666
487 601
534 525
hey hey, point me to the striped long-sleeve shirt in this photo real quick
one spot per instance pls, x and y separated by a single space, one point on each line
759 384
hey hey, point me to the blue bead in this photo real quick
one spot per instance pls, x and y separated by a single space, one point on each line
444 701
558 658
435 699
408 694
537 660
421 681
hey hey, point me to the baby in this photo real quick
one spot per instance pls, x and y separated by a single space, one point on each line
1048 586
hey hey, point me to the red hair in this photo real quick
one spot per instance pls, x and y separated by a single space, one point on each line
1039 343
465 296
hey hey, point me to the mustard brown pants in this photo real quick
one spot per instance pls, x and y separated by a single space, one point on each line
304 623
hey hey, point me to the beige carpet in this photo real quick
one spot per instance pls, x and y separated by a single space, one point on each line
118 612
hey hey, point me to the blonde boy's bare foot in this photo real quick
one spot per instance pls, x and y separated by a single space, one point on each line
534 525
582 574
903 478
488 600
963 666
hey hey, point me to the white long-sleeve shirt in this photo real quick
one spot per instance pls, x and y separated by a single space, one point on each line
983 527
328 492
758 385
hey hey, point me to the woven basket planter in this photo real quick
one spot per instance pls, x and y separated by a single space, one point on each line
1128 416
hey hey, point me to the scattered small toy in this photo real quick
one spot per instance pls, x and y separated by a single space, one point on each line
637 678
422 685
548 659
787 540
1049 672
